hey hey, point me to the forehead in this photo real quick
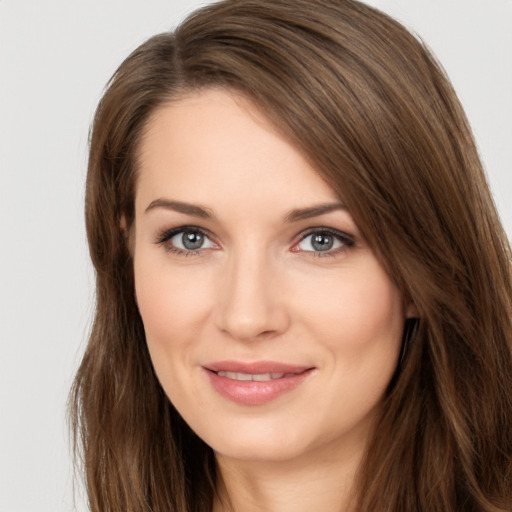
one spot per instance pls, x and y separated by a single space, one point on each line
216 146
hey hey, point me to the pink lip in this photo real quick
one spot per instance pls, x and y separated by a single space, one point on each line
255 392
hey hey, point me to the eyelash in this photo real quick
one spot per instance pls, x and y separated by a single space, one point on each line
345 239
166 235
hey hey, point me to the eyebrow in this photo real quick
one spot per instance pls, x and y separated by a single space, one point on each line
313 211
180 207
205 213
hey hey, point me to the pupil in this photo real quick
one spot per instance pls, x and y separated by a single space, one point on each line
192 240
322 242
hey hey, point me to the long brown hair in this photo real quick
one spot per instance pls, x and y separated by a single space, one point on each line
369 107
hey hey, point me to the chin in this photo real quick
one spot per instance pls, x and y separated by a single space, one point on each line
270 443
263 451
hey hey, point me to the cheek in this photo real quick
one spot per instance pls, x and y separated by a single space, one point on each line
172 305
358 313
357 319
154 299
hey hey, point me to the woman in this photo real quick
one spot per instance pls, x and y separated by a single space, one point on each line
303 288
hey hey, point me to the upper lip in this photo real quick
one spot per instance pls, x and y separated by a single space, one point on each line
256 367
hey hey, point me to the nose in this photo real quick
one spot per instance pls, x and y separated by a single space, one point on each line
251 306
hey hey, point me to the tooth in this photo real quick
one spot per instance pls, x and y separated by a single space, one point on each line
261 376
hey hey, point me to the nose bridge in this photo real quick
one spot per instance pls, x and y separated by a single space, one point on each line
248 306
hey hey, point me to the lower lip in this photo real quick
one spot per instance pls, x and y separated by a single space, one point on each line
255 392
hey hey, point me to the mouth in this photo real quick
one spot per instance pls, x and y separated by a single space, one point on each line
258 377
255 383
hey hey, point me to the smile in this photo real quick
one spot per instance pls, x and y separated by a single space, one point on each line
255 383
260 377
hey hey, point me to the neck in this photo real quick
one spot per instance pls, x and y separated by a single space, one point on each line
322 481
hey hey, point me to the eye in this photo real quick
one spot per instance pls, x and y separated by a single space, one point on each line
186 240
190 240
324 241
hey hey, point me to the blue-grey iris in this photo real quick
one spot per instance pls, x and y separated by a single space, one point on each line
192 240
322 242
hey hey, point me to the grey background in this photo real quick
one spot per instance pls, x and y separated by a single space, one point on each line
55 58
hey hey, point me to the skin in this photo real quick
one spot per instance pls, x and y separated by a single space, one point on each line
257 289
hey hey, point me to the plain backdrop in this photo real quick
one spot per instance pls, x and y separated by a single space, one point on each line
55 58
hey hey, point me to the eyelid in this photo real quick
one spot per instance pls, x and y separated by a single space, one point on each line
166 235
345 238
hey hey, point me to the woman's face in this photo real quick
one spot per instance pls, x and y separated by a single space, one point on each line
271 325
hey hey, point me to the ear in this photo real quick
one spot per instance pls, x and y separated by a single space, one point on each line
411 311
128 234
128 238
122 225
